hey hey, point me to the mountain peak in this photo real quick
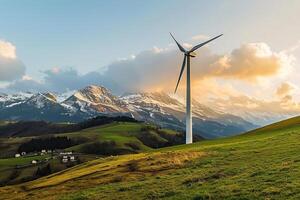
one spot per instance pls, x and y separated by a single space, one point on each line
94 94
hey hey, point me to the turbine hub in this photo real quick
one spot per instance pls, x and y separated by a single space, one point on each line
192 54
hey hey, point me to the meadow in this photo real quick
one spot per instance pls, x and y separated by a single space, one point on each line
261 164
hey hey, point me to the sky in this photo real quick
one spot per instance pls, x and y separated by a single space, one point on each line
61 45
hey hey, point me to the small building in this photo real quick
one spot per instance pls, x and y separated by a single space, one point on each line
72 158
17 155
34 162
66 153
49 151
65 158
43 151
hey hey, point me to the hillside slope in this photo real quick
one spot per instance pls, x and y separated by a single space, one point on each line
263 164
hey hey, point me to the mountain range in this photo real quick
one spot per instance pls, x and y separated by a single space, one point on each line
157 107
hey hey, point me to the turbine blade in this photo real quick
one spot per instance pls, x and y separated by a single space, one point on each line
181 71
204 43
179 46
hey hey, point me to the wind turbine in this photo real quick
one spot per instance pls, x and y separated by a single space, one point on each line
186 60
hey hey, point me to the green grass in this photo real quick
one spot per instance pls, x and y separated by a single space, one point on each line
126 138
121 133
262 164
9 146
20 161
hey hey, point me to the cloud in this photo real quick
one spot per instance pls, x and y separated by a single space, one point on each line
250 62
158 70
200 37
284 89
62 80
10 67
284 92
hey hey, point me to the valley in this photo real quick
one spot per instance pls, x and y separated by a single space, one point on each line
47 145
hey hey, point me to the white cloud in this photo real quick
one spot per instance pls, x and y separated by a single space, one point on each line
10 67
7 50
200 37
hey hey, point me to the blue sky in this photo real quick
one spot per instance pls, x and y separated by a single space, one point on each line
61 45
87 35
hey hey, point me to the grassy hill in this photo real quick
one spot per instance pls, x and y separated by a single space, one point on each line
120 137
262 164
116 138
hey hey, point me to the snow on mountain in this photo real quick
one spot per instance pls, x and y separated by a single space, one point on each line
41 100
10 100
95 99
157 107
15 97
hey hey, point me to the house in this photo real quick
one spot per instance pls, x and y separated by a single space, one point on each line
68 158
34 162
17 155
43 151
72 158
66 153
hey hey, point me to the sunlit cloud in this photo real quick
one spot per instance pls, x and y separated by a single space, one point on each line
284 89
7 50
10 67
250 62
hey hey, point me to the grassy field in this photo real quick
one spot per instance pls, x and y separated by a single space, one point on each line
125 135
262 164
128 137
8 162
111 139
120 133
9 146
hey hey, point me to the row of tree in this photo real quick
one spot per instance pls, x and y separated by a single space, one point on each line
48 143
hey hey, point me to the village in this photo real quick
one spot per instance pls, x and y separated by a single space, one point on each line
47 154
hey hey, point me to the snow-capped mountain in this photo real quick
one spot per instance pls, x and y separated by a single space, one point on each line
209 123
157 107
95 99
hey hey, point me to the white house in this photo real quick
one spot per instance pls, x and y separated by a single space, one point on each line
72 158
17 155
34 162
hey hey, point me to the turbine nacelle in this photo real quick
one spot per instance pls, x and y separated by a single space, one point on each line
191 54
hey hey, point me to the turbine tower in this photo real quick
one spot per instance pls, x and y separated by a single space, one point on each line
186 60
